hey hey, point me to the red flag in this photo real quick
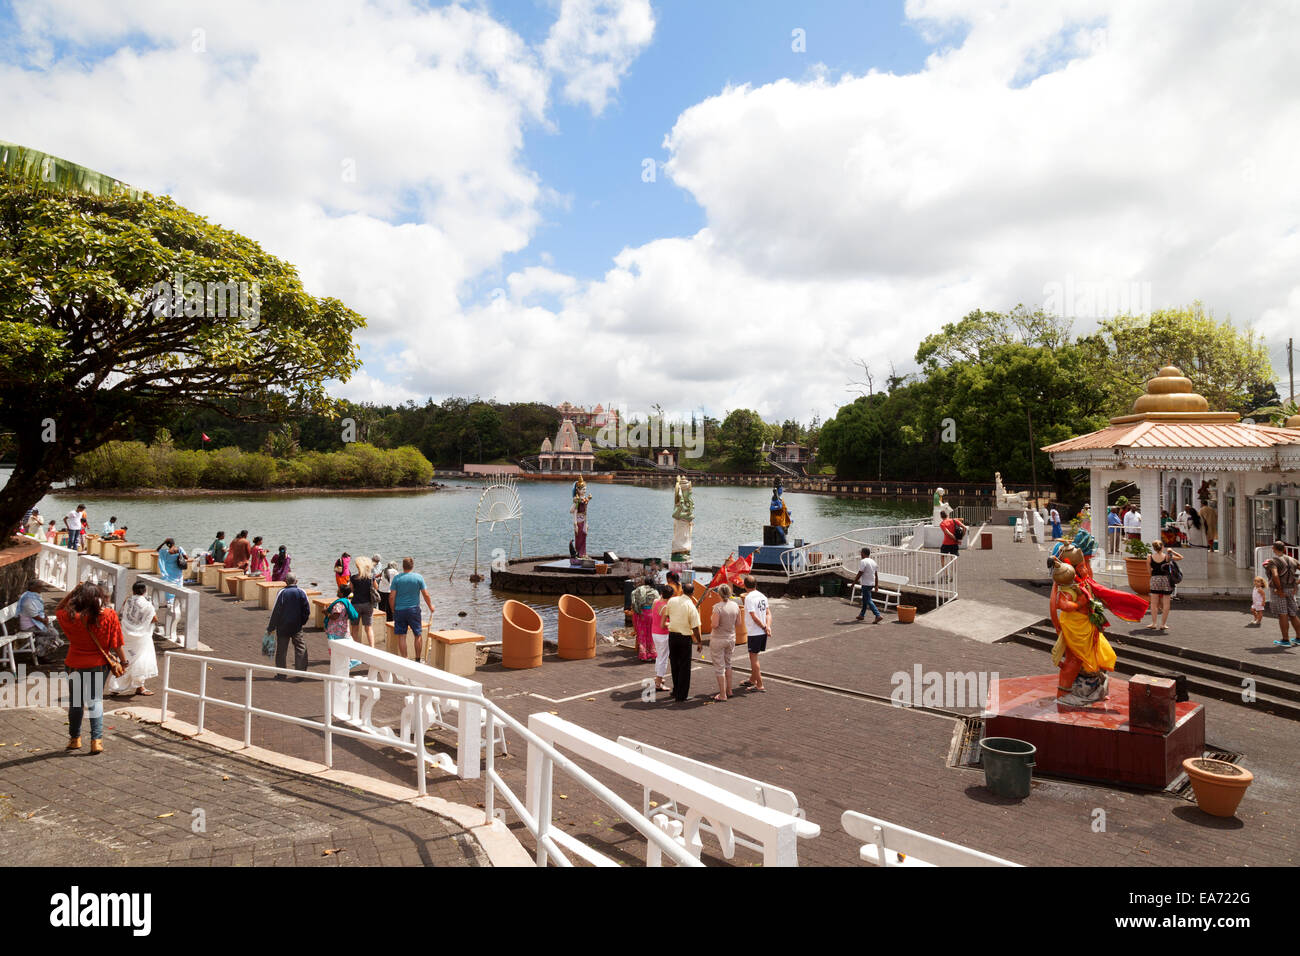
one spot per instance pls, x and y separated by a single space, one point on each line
733 571
205 436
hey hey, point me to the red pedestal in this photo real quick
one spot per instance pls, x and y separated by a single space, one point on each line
1094 742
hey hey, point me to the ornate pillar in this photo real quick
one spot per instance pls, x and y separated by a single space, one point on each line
1100 480
1149 492
1246 483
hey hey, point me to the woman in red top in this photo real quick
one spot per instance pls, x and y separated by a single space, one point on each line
86 616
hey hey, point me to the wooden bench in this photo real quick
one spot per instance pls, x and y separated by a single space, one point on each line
888 585
763 794
892 845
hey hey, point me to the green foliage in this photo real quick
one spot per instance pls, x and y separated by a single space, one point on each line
741 437
1137 548
134 465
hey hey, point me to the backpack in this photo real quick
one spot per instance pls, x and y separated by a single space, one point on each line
958 530
336 626
1285 565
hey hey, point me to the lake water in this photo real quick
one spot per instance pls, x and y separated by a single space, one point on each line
633 520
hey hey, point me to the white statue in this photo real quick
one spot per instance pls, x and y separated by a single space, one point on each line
683 520
1016 501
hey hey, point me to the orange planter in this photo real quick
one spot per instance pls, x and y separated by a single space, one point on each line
1218 785
521 636
906 613
577 637
711 600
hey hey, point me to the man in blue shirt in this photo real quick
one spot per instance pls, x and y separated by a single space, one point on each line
289 616
405 593
1114 528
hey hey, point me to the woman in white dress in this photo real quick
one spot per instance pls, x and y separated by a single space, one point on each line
138 617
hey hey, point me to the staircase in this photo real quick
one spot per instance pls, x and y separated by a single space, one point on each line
1276 691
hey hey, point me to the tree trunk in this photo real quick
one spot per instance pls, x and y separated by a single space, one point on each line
38 465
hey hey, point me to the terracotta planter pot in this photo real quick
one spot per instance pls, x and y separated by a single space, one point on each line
521 636
906 613
1218 785
1139 575
577 629
707 604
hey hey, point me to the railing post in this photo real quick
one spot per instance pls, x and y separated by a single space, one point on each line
167 678
203 692
490 795
248 706
544 807
421 780
329 713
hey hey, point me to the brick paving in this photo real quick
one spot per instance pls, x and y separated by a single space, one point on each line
835 751
134 805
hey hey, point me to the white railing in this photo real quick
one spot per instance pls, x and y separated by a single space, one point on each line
974 516
178 610
57 566
929 572
910 847
1263 553
774 831
546 760
843 550
106 574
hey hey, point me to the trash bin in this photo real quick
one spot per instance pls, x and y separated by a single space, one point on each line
831 587
1008 765
986 540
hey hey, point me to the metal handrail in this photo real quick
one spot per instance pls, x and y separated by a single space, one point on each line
538 826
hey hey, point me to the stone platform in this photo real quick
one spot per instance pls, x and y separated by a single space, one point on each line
546 574
1095 742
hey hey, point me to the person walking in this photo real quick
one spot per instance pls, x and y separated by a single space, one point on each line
76 525
363 600
954 529
290 615
138 618
1282 572
643 599
866 576
722 640
659 634
94 648
217 549
407 590
758 628
683 620
1162 584
171 563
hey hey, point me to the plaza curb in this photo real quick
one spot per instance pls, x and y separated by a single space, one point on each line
498 843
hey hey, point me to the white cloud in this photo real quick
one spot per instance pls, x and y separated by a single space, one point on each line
592 45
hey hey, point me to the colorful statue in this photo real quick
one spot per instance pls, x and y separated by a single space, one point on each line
780 515
579 512
1078 603
683 520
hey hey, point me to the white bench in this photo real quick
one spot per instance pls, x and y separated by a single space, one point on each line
891 845
763 794
889 585
1019 533
21 641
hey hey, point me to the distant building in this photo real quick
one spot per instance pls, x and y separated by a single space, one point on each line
667 458
597 417
568 454
789 452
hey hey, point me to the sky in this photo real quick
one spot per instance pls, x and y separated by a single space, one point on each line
698 205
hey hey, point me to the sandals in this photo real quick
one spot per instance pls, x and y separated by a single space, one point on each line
747 683
719 698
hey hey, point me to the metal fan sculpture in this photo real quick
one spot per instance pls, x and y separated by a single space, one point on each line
498 504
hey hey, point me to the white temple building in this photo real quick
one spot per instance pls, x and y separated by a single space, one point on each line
567 455
1171 447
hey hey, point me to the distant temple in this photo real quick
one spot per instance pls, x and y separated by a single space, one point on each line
597 417
568 454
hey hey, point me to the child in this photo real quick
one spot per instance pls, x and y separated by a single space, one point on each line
1257 600
339 617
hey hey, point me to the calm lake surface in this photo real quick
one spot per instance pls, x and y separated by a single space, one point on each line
633 520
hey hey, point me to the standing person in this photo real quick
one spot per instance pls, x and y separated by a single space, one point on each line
659 634
384 584
340 617
35 523
1085 518
51 532
1257 599
954 529
75 524
407 590
758 628
237 556
343 569
93 632
363 600
722 640
281 564
1210 523
1114 525
1162 585
683 620
1282 571
109 527
217 549
257 562
138 618
171 563
643 599
289 616
1195 527
866 576
1054 519
1133 524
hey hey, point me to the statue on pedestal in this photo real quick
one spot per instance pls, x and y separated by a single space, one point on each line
1015 501
683 520
780 515
579 511
941 507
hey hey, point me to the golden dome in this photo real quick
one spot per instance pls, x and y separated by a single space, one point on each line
1169 397
1293 421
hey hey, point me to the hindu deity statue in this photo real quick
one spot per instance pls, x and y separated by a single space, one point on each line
780 515
579 511
683 520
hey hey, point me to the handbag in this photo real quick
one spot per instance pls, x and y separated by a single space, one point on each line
116 664
268 644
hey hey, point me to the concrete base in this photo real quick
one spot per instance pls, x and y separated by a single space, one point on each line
1096 742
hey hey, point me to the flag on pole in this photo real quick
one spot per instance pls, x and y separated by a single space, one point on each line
205 436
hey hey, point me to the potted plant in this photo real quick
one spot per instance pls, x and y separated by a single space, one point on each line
1138 567
1218 785
906 613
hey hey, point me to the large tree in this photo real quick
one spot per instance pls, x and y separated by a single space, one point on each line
93 345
